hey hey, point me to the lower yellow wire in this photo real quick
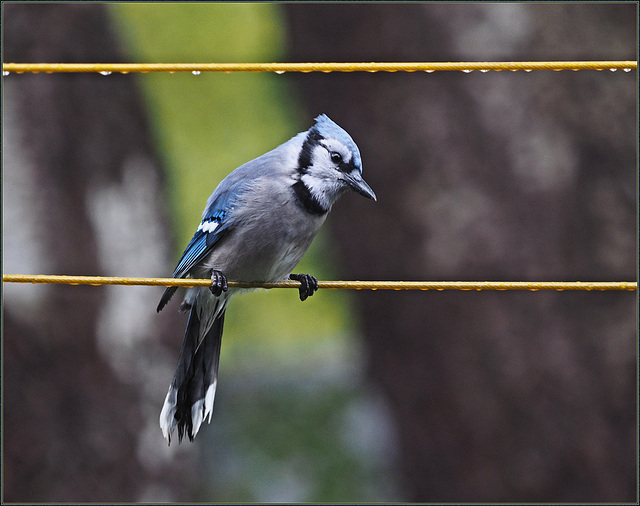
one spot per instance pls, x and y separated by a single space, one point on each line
353 285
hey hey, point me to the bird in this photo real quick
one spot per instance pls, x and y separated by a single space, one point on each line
256 226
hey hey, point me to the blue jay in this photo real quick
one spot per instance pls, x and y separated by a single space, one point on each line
256 226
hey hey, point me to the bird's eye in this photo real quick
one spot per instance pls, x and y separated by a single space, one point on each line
336 157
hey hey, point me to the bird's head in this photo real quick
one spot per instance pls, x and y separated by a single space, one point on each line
328 165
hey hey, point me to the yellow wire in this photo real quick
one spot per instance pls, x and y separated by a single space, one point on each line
354 285
106 68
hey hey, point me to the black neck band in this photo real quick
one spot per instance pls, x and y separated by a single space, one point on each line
307 201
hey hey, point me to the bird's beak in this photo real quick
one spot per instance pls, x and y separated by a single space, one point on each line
357 184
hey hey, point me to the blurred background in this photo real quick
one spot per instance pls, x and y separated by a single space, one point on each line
351 396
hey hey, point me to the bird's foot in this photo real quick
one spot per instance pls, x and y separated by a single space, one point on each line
218 283
308 284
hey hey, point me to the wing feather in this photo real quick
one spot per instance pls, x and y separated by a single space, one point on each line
216 222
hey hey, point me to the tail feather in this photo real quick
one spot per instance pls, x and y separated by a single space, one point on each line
166 297
190 397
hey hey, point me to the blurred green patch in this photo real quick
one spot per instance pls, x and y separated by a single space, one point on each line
207 125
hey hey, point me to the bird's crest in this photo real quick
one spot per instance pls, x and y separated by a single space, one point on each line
327 128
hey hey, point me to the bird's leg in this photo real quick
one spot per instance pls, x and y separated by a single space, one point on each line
308 284
218 283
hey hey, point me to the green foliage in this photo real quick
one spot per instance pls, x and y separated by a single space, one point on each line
207 125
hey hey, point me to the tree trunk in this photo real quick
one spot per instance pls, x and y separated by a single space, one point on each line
84 368
497 396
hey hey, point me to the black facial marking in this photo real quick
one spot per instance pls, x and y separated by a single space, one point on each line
346 167
305 198
304 160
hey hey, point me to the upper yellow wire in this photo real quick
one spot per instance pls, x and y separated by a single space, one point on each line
106 68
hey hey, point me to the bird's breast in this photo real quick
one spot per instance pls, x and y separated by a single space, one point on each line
267 241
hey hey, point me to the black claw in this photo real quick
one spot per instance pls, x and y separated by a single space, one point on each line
308 284
218 283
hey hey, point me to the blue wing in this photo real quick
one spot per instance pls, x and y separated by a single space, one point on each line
217 219
208 234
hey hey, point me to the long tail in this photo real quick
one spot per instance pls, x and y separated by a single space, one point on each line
190 398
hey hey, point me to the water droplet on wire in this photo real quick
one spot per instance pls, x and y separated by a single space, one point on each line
5 73
105 73
627 70
196 72
280 72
